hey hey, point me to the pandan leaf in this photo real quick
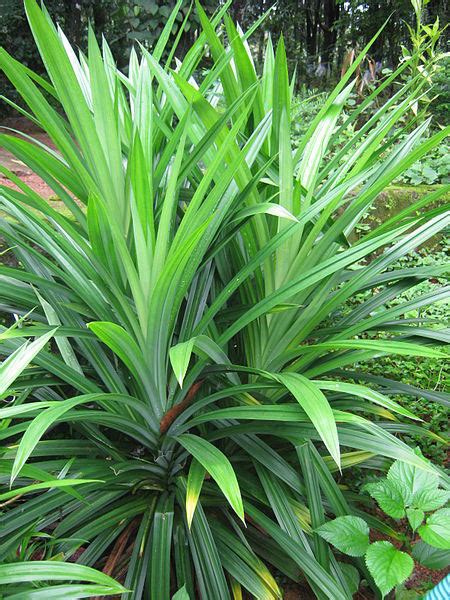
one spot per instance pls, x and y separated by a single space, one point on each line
16 362
317 407
432 558
180 355
218 466
181 594
194 487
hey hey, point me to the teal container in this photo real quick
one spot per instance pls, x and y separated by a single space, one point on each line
441 591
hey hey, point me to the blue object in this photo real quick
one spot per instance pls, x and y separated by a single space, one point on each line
441 591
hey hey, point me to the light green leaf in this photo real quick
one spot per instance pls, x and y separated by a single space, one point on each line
56 483
180 355
363 391
63 343
427 499
50 570
436 530
388 566
120 342
204 347
390 496
218 466
412 478
348 534
181 594
316 406
415 517
194 487
38 427
15 364
69 591
383 347
268 208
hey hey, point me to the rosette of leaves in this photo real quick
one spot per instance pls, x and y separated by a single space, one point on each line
198 375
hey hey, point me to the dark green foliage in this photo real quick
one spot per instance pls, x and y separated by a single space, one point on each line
434 169
120 21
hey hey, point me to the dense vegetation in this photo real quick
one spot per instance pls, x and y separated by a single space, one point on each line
213 321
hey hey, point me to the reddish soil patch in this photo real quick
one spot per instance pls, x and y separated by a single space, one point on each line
422 575
295 592
12 126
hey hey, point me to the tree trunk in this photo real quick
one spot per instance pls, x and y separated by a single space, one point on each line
72 20
330 17
99 14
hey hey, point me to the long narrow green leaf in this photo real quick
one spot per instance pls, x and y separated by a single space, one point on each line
194 487
218 466
316 406
15 364
161 548
54 571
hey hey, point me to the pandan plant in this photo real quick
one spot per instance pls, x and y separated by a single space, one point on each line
203 381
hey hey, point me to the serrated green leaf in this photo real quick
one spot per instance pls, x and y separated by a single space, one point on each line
390 496
415 517
436 530
348 534
412 477
428 499
388 566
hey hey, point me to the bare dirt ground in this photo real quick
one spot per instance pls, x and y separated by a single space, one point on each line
11 126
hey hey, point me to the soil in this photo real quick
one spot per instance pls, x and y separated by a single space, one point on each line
12 126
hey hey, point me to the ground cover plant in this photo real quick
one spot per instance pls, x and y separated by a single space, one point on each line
181 426
408 492
424 373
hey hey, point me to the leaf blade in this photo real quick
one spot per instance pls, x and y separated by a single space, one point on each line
218 466
316 406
